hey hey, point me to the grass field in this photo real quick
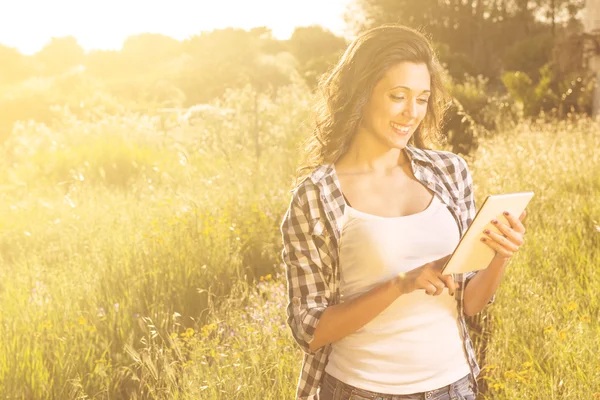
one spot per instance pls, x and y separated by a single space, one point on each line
139 261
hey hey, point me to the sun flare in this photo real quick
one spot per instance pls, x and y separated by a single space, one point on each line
28 25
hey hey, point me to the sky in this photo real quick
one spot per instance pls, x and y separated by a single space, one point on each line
29 24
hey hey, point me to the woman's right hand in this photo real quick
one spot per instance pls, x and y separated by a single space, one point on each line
427 277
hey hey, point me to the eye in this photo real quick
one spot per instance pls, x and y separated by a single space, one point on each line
397 98
423 101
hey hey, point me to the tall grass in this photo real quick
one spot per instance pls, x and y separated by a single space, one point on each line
545 324
118 232
140 255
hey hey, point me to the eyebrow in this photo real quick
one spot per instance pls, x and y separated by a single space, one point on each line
409 89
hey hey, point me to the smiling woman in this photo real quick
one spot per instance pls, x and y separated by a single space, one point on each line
399 100
370 227
371 65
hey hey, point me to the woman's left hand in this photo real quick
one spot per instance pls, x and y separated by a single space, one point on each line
512 237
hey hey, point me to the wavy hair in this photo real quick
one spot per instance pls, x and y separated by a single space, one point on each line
347 88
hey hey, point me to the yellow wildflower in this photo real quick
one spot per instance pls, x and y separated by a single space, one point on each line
562 335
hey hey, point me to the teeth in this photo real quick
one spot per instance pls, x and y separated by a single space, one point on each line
403 129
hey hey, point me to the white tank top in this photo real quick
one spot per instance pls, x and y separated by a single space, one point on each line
415 344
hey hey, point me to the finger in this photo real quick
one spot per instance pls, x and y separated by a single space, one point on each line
449 282
430 289
439 286
500 250
523 215
509 233
437 265
502 241
515 223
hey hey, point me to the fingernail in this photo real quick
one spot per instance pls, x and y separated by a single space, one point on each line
494 221
505 212
486 231
483 239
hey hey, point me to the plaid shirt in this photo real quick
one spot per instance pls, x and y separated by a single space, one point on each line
311 230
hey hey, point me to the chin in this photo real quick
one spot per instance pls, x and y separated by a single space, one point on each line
399 143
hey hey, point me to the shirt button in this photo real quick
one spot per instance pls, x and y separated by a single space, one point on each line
296 301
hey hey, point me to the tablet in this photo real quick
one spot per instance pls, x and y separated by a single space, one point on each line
472 254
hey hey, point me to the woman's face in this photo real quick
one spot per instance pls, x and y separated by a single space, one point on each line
398 104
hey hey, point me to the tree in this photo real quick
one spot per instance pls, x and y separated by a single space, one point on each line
314 41
14 66
104 63
315 49
59 55
592 47
479 31
226 58
145 52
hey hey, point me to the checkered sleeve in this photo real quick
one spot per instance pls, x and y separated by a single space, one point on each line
467 204
308 293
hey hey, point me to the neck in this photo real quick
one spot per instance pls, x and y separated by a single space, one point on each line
368 155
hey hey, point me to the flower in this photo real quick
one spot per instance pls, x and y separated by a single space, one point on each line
562 335
585 318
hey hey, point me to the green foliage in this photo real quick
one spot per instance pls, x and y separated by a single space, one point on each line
477 112
551 94
222 59
34 98
530 54
576 92
473 95
314 41
458 65
316 49
153 71
479 37
60 55
147 51
15 67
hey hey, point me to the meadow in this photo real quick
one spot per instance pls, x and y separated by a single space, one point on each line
140 254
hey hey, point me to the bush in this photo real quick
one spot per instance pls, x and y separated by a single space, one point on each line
115 151
552 94
530 54
475 112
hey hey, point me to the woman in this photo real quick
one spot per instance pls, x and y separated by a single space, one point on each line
369 228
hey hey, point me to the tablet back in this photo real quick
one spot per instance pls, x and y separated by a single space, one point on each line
472 254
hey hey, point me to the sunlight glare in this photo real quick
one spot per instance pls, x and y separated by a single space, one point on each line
28 25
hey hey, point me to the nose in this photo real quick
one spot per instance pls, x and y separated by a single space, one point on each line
410 109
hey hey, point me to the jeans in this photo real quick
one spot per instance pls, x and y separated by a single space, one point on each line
334 389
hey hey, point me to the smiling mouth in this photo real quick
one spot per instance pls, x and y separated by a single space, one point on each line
402 129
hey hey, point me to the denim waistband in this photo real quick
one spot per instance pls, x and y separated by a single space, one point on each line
451 389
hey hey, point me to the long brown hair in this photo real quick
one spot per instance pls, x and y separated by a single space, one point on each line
347 88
